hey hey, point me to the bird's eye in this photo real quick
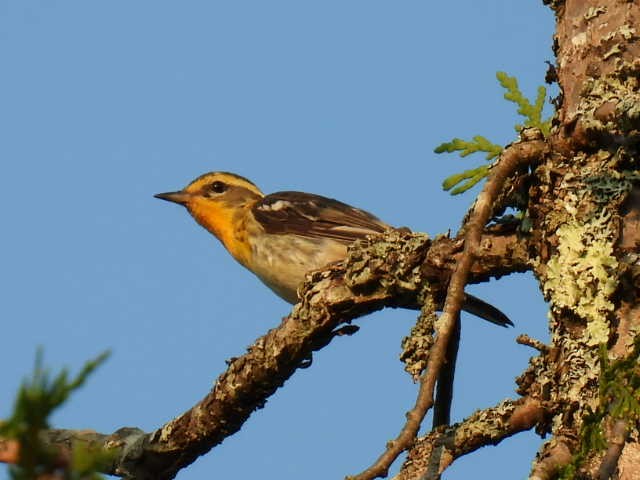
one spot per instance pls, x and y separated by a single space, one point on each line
218 187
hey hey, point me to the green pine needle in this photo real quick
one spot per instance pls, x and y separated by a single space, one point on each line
36 400
531 113
461 182
465 180
477 144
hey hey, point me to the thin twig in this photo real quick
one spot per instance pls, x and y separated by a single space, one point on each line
444 387
525 339
513 157
554 455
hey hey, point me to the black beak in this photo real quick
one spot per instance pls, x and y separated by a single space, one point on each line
175 197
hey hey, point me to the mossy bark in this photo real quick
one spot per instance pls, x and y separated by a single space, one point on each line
585 209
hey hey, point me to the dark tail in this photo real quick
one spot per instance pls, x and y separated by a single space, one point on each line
487 312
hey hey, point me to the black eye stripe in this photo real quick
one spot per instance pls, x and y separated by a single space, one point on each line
218 186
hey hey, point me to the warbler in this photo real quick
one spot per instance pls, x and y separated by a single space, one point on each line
282 236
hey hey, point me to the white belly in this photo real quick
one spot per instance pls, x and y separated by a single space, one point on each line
282 265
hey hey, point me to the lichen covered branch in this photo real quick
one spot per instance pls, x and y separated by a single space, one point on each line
383 272
390 271
555 455
434 452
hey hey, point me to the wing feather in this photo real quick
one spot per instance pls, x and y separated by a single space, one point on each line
314 216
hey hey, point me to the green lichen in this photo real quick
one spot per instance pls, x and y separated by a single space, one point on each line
593 12
417 345
553 4
627 31
581 276
611 185
619 399
619 88
368 265
615 49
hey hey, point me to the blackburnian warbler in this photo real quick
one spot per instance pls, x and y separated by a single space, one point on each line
282 236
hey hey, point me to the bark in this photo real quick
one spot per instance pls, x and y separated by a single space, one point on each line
434 452
584 207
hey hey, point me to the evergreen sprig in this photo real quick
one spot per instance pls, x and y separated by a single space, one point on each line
465 180
36 400
477 144
532 113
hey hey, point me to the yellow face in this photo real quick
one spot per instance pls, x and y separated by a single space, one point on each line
218 201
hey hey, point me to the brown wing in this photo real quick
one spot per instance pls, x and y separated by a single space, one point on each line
314 216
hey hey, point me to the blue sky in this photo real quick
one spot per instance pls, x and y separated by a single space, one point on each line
104 104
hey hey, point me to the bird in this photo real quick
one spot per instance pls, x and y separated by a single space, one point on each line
282 236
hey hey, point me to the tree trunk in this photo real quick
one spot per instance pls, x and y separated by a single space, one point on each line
584 207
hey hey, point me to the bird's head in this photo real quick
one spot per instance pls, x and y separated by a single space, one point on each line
213 199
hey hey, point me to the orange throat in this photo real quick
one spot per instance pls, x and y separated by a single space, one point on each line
219 220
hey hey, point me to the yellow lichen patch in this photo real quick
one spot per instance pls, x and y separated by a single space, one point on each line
593 12
582 276
618 89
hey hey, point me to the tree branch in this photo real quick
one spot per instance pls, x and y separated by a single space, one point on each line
554 455
387 271
444 386
434 452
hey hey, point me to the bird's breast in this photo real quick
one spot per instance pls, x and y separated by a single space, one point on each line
282 261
